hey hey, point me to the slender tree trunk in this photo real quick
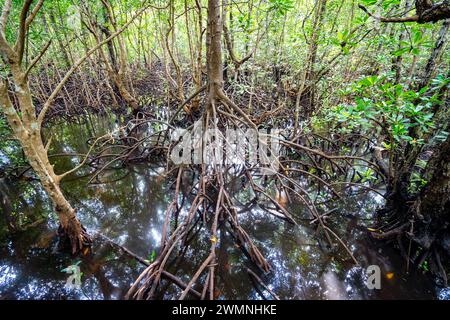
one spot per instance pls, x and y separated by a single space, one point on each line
171 49
214 51
61 45
397 61
436 54
28 131
117 65
432 207
306 94
310 75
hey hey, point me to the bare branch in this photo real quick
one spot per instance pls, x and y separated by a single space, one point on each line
61 176
49 142
383 19
20 43
230 49
33 13
36 60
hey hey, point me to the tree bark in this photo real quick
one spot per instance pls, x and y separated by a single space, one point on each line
117 68
432 206
214 51
426 11
306 98
436 54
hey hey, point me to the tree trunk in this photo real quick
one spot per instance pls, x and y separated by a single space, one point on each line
427 11
305 94
61 45
397 61
117 66
436 54
214 51
411 153
28 131
433 204
313 46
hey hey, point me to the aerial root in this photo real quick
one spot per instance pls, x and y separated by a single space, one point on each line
213 206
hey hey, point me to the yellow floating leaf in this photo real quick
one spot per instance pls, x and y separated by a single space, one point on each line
390 275
372 230
213 239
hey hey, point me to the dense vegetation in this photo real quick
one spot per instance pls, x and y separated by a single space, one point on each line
360 89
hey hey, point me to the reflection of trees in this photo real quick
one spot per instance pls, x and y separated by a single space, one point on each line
36 272
23 206
126 209
130 211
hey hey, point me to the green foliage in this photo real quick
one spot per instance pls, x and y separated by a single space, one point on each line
344 41
152 256
385 4
425 266
393 107
418 182
369 2
281 7
244 22
368 175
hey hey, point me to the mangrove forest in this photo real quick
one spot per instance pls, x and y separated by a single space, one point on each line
224 150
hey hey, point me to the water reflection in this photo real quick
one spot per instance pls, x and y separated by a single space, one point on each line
128 207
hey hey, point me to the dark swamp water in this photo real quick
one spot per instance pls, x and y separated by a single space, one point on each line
128 207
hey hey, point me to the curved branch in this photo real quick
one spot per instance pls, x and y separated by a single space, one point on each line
33 14
414 18
20 43
426 11
36 60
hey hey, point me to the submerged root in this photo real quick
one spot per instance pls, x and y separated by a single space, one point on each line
214 207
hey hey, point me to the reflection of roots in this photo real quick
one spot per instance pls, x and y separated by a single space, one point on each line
214 206
213 213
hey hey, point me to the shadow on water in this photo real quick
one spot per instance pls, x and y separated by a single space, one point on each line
128 207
